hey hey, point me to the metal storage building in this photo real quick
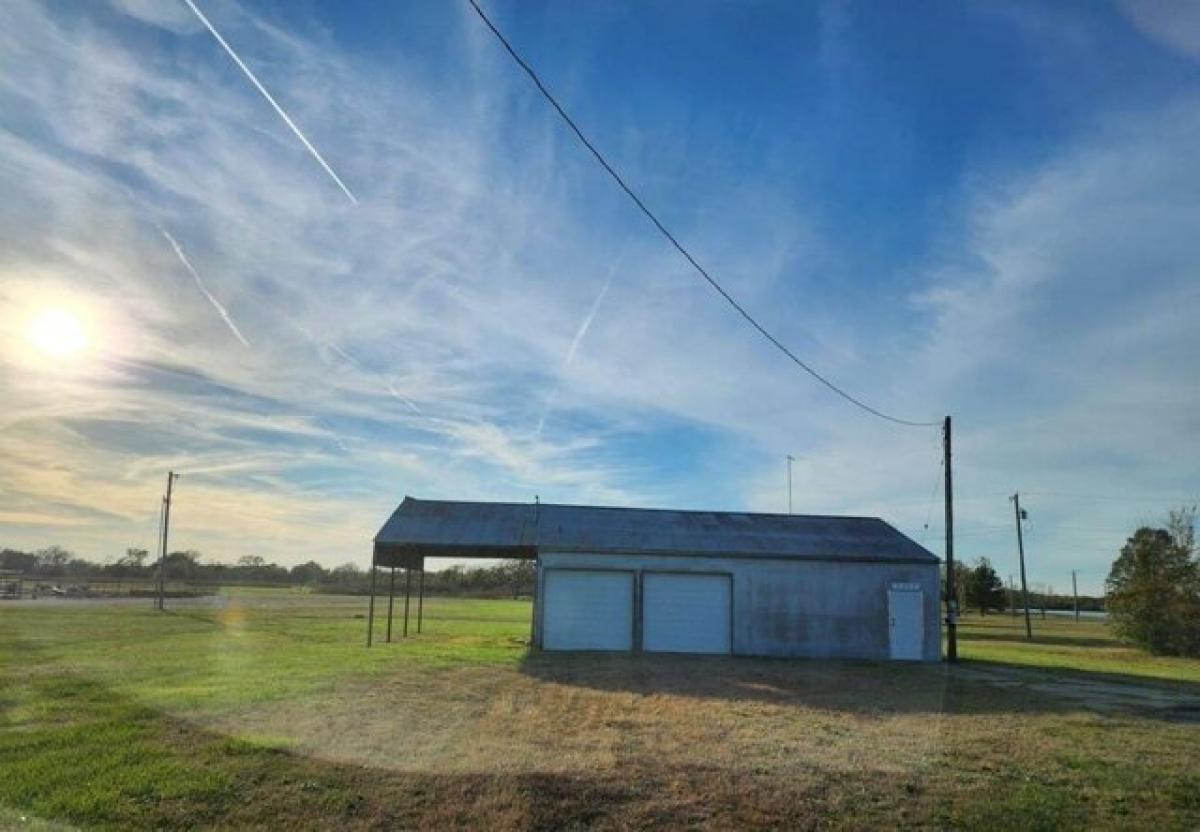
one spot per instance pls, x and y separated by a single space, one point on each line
657 580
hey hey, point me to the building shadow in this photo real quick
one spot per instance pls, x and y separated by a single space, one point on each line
867 688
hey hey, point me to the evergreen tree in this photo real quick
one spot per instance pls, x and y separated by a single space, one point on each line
984 590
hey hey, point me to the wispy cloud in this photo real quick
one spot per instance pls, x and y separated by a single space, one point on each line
221 310
274 104
1173 23
430 330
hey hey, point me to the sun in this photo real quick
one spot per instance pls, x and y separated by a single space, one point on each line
58 333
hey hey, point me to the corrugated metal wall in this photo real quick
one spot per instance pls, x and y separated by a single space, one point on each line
796 608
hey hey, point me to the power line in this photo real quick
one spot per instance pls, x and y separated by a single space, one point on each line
937 486
533 76
1105 531
1115 497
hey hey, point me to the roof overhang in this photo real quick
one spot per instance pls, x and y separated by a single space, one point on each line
412 555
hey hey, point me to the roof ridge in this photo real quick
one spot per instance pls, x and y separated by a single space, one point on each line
657 509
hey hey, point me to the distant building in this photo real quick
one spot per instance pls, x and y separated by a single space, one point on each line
655 580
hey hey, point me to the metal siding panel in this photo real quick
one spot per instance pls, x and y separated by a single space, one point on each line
686 613
587 610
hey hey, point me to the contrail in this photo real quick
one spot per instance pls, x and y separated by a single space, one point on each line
550 402
396 394
323 346
337 439
272 102
356 364
580 334
586 324
200 284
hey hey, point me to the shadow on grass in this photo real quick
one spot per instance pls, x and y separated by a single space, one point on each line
858 687
869 688
89 756
1057 640
1180 687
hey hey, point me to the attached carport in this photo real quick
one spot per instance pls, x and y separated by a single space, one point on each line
419 529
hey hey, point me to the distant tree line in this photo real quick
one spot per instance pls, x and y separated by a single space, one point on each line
510 578
979 588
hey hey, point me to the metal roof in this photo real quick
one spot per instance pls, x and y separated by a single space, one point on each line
439 528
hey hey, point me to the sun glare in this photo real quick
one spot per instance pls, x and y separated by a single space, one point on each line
57 333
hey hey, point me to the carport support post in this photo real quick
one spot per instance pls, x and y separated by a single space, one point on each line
371 606
407 596
391 601
951 596
533 608
420 596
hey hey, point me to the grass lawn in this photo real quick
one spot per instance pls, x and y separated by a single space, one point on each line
263 709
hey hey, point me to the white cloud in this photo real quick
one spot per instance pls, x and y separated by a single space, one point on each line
171 16
1174 24
1066 353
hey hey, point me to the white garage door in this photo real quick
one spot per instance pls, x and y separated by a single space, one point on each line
587 610
685 613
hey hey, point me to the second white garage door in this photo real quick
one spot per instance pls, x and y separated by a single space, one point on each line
587 610
684 613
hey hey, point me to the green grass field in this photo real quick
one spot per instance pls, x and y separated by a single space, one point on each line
263 709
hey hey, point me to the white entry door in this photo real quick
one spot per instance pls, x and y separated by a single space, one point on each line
587 610
684 613
906 623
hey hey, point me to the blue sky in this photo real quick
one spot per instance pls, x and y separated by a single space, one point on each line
982 209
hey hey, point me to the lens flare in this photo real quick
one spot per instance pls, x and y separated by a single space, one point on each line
57 333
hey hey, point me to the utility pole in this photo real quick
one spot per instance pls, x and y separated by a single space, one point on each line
1021 515
1012 597
162 504
951 595
1075 593
162 560
790 460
